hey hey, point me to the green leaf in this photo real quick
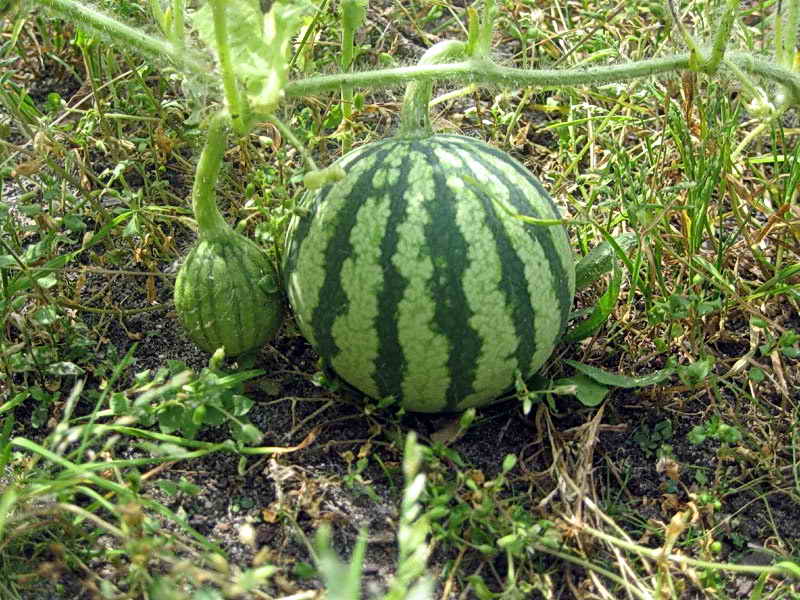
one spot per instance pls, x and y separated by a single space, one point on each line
342 581
602 310
18 399
199 414
621 381
728 434
587 391
214 416
207 594
47 315
47 282
241 405
259 44
119 403
132 228
353 13
74 223
173 417
697 435
247 433
600 259
170 488
509 462
696 373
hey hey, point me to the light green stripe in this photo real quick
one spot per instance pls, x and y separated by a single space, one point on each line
304 295
355 331
492 319
426 351
538 273
557 234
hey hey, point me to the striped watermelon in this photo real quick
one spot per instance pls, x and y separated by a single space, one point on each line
412 279
227 295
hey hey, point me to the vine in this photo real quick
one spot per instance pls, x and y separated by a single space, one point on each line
477 68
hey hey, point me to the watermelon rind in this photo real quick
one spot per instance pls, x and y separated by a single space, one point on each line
412 277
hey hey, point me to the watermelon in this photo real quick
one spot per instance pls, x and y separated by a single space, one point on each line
227 295
412 276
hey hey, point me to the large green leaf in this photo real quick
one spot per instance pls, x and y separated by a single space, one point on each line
621 381
585 389
259 45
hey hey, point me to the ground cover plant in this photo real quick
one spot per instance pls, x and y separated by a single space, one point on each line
654 455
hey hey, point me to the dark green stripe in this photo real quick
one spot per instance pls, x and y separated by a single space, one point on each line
246 277
222 305
543 235
448 251
474 145
390 362
512 269
181 304
332 301
205 303
299 231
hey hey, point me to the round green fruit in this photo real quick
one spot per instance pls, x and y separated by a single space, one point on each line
227 295
413 276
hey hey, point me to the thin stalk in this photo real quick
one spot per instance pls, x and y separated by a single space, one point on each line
353 13
210 223
721 37
287 132
158 15
747 83
779 44
694 51
486 29
179 25
107 26
473 31
590 566
236 106
415 115
790 34
206 447
748 139
680 559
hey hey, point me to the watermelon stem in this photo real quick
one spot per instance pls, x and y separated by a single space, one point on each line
92 19
210 222
415 121
237 106
353 14
487 73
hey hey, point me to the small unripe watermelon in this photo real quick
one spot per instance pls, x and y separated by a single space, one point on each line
227 295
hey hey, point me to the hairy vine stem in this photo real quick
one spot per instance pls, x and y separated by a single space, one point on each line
236 105
415 117
471 71
108 26
210 223
487 73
